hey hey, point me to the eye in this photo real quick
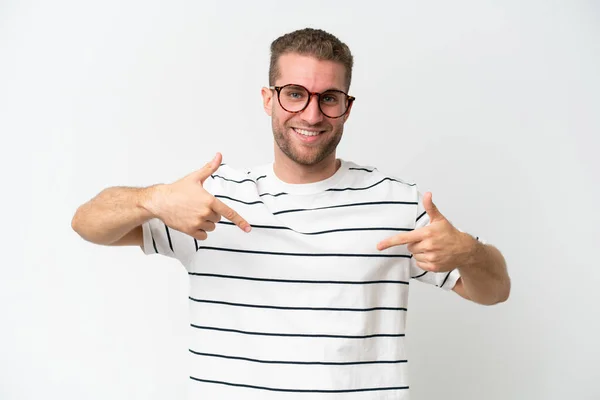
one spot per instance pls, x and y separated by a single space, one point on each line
294 93
330 98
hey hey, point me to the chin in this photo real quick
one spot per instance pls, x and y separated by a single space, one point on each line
308 159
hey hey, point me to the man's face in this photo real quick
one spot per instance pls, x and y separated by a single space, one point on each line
294 133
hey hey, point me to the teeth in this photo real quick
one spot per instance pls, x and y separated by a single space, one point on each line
306 133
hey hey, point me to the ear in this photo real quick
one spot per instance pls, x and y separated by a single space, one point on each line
267 95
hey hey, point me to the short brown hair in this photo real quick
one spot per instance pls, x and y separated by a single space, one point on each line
310 42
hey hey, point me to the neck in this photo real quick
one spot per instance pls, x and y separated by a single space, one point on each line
290 171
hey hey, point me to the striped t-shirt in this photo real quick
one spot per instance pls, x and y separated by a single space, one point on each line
304 306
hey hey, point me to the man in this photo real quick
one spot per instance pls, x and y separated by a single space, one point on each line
299 270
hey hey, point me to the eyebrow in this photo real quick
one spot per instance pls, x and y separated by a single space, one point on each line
326 90
334 88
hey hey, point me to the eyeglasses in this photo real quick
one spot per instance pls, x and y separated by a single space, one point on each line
295 98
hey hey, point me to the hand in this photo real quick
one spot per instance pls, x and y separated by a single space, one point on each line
186 206
437 247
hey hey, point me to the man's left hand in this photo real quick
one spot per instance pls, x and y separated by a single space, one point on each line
437 247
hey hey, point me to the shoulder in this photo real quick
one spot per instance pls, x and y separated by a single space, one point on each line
374 175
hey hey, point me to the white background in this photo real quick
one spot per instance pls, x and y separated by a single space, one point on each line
493 106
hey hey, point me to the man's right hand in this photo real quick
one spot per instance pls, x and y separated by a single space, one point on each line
186 206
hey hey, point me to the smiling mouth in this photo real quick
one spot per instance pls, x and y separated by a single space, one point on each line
305 132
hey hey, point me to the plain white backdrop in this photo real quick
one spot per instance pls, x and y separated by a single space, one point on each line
492 105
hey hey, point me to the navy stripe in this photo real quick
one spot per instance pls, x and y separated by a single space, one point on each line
299 390
196 243
219 196
320 232
418 276
296 308
250 278
312 335
274 195
298 362
362 169
231 180
260 177
445 279
169 237
373 203
420 216
305 254
153 242
369 187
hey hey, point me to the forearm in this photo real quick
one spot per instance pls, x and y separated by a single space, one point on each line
484 275
111 214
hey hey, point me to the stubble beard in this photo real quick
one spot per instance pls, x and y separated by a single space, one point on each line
315 155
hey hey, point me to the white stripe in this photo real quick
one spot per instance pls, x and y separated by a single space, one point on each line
300 377
342 323
297 348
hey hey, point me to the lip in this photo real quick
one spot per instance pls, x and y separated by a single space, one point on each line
308 139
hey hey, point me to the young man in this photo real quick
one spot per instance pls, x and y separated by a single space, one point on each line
299 270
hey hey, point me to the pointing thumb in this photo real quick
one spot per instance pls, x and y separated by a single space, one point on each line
209 168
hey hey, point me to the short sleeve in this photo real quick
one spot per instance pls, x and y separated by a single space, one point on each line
444 280
160 239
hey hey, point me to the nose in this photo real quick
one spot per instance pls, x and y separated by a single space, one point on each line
312 113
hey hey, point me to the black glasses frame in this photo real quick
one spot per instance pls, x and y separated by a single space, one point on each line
349 99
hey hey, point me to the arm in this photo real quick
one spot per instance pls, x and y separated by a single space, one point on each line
440 247
114 216
484 278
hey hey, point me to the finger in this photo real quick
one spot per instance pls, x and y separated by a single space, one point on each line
213 217
430 208
199 234
403 238
416 248
209 168
425 266
421 257
207 226
222 209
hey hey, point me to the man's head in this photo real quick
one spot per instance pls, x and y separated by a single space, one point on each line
315 43
319 62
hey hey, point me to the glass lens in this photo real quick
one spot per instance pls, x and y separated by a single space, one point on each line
333 103
293 98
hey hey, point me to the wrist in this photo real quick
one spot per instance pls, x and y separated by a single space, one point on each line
472 250
149 200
